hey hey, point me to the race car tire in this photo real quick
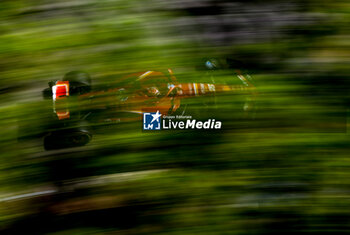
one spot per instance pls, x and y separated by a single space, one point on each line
79 77
79 82
66 139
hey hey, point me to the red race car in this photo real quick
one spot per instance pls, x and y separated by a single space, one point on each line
76 105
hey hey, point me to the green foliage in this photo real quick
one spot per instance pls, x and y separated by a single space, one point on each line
284 170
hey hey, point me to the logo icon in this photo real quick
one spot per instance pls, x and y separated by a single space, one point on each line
151 121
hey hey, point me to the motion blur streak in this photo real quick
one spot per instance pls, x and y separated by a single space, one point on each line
279 165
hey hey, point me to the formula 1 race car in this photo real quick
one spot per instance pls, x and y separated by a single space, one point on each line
76 105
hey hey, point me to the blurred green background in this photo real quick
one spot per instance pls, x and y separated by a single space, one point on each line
283 171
